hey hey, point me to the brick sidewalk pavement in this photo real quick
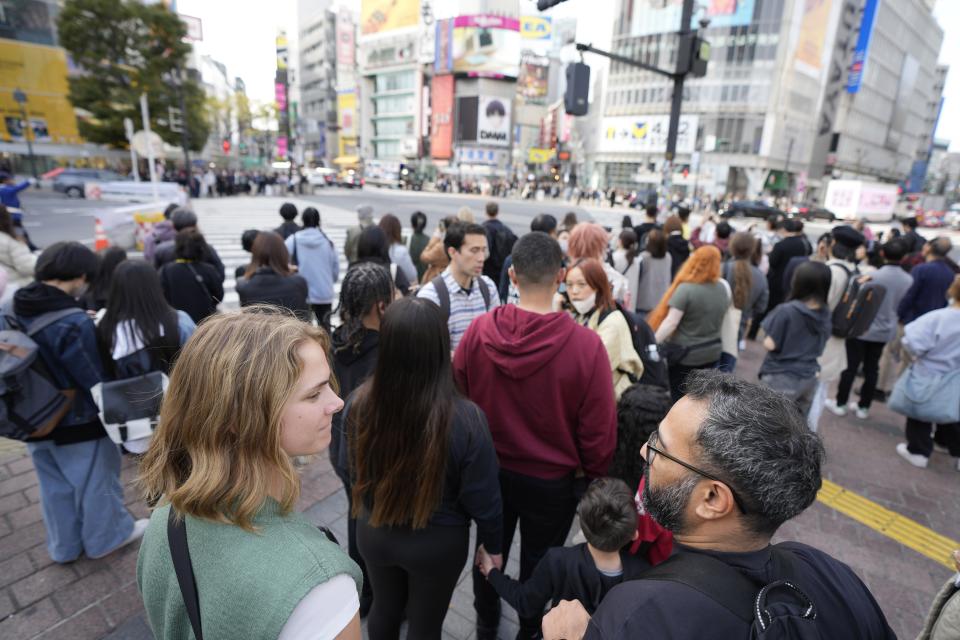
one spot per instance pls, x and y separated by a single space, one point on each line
98 599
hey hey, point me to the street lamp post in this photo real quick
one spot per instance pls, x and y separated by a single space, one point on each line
21 98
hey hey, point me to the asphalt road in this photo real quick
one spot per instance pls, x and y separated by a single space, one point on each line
50 217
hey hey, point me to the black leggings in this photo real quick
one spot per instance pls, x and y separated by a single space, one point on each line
413 572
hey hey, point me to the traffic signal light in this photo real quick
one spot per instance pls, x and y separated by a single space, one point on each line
578 89
693 54
226 146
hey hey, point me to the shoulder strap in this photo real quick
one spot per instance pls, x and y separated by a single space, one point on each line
713 578
203 285
180 554
443 295
44 320
485 292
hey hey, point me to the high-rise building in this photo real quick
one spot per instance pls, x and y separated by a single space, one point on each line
794 95
317 76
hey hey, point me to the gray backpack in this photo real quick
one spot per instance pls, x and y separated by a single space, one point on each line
32 404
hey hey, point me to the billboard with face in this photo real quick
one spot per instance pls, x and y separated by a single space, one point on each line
493 121
486 45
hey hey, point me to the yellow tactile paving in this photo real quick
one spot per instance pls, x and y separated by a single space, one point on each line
891 524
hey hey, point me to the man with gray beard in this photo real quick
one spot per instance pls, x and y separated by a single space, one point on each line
730 463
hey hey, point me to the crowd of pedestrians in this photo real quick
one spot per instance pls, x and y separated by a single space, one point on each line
473 377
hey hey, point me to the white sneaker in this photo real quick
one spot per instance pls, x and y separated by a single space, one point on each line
862 413
139 527
915 459
940 448
834 408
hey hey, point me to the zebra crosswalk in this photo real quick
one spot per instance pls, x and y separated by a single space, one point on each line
223 221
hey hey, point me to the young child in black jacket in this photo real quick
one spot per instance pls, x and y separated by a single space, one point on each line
584 572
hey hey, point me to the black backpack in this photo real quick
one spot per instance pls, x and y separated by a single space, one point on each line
645 344
858 307
500 240
443 293
779 610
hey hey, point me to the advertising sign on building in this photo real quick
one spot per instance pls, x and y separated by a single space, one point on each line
381 16
41 73
346 46
811 43
539 156
663 16
390 52
534 79
443 53
646 134
441 125
863 44
536 27
493 122
347 113
485 45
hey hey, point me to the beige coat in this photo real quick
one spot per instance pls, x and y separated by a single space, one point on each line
435 258
16 258
615 335
943 621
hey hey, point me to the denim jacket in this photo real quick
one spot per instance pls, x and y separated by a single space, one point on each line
68 348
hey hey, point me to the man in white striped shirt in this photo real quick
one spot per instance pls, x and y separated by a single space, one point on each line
461 292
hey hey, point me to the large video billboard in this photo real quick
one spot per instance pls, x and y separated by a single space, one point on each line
485 45
646 134
381 16
41 73
534 80
663 16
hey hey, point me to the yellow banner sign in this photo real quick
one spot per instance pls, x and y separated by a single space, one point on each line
380 16
539 156
40 72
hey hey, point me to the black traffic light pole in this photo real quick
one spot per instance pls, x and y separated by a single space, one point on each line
678 78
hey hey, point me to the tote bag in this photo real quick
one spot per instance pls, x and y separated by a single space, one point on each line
927 397
730 329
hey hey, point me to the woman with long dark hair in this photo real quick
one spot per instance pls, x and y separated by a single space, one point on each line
189 283
366 292
269 280
399 254
423 465
139 331
654 273
96 298
374 247
626 260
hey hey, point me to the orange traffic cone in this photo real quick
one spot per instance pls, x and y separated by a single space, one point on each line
100 240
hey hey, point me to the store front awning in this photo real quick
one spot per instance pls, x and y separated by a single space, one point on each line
346 160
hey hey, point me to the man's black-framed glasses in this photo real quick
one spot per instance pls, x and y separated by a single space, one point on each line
652 448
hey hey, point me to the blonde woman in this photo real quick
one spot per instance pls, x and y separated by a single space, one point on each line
249 391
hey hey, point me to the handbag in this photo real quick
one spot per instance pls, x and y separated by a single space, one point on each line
130 408
931 398
730 328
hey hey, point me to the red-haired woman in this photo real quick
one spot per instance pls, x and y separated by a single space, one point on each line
591 296
590 240
690 315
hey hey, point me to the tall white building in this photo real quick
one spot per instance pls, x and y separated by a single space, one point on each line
780 109
316 81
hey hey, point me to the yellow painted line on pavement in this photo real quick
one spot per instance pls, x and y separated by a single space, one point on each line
891 524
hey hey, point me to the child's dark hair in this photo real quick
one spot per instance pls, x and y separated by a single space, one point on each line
639 412
608 514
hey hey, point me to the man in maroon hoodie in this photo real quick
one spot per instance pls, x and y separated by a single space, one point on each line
544 383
